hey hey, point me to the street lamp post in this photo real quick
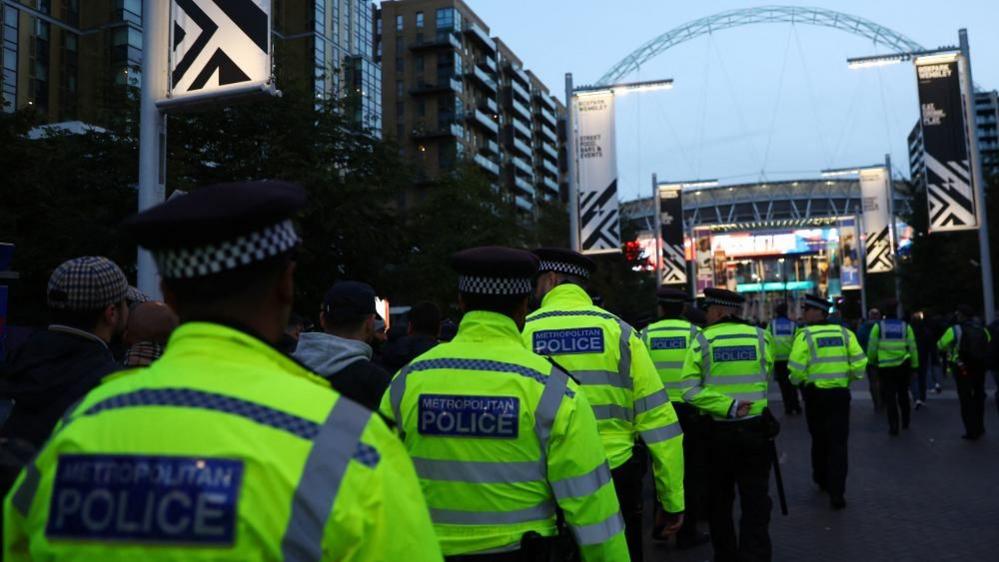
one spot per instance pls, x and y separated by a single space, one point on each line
571 149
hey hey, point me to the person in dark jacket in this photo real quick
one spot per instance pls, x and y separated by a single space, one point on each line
421 335
342 352
57 366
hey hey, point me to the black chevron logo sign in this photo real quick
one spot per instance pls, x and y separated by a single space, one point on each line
599 219
879 254
674 265
218 43
950 194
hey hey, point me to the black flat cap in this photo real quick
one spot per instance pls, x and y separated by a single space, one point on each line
219 228
817 302
564 261
714 296
671 295
495 270
348 299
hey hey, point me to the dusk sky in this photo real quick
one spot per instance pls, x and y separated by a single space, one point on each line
731 115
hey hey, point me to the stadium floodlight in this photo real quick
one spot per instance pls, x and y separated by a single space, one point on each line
688 184
627 87
946 54
838 172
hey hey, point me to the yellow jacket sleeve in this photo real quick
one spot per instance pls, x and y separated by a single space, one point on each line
656 422
15 536
873 344
581 481
910 344
704 399
856 357
797 361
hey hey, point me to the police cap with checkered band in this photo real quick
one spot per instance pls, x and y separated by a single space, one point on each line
817 302
495 271
564 261
219 228
714 296
669 295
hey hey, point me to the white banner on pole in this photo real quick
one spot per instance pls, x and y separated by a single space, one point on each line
218 46
877 223
600 231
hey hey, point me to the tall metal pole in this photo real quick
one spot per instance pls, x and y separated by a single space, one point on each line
978 178
893 228
152 126
657 215
570 154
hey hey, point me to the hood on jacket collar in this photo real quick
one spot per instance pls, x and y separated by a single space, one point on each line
326 354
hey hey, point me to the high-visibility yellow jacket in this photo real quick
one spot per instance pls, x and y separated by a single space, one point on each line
617 375
729 362
950 341
500 440
827 356
782 331
223 450
892 342
667 341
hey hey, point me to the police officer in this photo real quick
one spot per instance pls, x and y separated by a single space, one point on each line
502 439
824 359
667 341
966 344
617 375
781 330
892 351
728 368
224 449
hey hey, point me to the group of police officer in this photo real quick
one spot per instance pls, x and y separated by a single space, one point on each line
526 437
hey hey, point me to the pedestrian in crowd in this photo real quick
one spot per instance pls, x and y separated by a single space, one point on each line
263 459
342 352
781 330
893 352
502 438
864 336
149 327
59 365
729 367
824 359
605 355
421 334
966 344
294 329
668 340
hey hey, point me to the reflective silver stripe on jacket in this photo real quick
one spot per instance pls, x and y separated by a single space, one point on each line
479 472
25 494
397 390
686 383
624 363
538 512
669 364
796 366
556 386
598 532
613 411
312 503
583 485
651 401
658 434
609 378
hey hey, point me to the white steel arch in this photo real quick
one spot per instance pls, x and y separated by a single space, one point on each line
748 16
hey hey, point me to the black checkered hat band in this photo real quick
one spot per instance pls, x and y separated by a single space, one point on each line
494 285
813 302
190 263
563 267
708 301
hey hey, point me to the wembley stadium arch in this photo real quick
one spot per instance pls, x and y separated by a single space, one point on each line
771 240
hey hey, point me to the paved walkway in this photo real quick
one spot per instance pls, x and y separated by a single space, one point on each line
924 495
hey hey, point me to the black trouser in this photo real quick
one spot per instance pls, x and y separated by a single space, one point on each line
694 425
874 385
788 392
739 457
895 393
827 412
628 479
533 549
971 392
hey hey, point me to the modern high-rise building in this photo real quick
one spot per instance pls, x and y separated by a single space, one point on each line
453 93
71 58
986 127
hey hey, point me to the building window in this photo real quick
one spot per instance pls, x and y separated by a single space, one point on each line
399 23
448 20
419 20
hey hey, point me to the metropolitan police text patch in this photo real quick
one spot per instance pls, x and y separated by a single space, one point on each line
783 328
139 498
829 342
734 353
469 416
562 342
668 343
894 331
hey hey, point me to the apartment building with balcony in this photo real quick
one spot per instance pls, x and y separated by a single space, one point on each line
453 93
